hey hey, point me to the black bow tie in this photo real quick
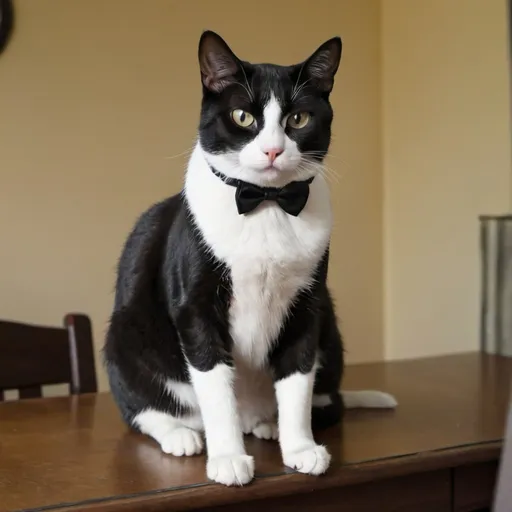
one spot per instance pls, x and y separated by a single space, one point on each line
291 198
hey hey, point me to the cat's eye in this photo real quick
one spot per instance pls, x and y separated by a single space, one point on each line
298 120
242 118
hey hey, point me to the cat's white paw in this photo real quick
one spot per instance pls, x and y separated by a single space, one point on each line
231 469
182 441
266 430
313 461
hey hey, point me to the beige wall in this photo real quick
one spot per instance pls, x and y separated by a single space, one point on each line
95 94
446 142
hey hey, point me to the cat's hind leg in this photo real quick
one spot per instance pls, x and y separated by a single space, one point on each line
266 430
176 436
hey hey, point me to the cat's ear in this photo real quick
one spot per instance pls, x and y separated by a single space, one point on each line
219 65
323 64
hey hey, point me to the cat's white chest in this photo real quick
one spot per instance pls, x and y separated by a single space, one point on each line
271 256
270 262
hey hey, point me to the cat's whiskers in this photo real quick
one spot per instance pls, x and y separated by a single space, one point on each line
297 90
328 156
246 89
328 172
187 152
321 168
218 298
303 173
297 82
249 90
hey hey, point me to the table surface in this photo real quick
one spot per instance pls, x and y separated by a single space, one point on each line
62 452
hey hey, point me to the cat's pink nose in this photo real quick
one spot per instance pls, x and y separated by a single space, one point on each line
273 153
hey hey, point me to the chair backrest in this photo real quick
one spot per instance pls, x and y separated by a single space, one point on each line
32 356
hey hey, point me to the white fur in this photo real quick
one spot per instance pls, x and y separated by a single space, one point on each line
251 162
183 392
299 450
227 461
368 399
271 257
176 436
266 430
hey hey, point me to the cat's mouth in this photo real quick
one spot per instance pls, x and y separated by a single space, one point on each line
277 167
273 176
272 172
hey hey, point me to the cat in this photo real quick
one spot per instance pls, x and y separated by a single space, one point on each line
223 322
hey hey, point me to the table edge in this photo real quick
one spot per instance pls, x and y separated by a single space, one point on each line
274 486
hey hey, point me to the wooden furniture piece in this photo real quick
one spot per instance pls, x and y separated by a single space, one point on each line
437 452
32 356
503 494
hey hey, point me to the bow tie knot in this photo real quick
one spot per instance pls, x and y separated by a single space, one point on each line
271 194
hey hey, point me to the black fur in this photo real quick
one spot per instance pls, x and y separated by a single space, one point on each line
249 89
6 22
169 290
172 295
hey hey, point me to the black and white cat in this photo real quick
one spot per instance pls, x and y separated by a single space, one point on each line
222 322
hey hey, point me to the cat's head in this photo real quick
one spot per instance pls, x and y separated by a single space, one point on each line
264 123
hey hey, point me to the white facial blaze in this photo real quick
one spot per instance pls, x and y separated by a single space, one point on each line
272 135
251 163
253 158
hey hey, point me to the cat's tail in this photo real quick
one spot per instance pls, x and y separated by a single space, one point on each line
328 408
368 399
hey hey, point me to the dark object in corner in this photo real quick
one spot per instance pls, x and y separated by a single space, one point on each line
32 356
6 22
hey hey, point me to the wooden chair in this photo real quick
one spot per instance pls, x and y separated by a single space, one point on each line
32 356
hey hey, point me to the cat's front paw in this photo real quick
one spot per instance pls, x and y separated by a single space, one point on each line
182 441
312 461
231 469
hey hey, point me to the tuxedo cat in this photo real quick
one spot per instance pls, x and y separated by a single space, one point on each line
223 323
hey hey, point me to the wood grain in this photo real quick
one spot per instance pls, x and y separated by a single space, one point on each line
75 453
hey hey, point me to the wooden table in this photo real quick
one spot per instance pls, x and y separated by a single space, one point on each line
437 452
